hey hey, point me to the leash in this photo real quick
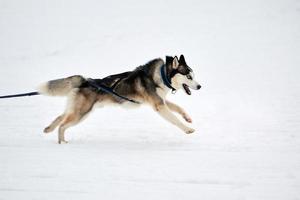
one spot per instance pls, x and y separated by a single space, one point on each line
100 87
166 79
20 95
90 81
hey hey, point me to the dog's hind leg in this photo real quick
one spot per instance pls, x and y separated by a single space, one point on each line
80 107
69 120
54 124
174 107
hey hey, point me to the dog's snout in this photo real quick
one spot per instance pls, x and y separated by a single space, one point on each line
198 87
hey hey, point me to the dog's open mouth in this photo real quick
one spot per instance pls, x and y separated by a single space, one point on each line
186 89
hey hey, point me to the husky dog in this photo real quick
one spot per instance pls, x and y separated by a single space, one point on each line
147 84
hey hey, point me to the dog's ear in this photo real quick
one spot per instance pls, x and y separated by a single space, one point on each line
182 60
169 60
175 63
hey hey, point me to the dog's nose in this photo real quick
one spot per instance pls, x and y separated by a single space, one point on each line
198 87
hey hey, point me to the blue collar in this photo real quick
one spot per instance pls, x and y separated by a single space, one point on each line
165 78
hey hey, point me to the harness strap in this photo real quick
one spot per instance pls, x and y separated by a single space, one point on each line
101 87
165 78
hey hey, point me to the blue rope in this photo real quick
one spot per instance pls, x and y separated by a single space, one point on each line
165 78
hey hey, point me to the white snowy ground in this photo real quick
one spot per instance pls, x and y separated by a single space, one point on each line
245 55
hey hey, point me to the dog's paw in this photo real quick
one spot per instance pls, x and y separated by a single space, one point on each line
47 130
189 130
187 118
63 142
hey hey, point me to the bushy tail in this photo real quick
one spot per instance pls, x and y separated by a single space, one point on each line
61 87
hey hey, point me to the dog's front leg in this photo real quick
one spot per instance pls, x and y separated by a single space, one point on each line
164 111
174 107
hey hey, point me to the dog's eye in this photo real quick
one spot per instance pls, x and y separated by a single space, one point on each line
189 77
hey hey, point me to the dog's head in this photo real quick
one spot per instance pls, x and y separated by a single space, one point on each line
180 74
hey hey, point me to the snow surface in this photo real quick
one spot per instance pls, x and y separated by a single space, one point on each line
245 54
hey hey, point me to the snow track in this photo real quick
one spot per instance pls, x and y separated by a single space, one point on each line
245 54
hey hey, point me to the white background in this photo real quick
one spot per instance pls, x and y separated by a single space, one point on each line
245 54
